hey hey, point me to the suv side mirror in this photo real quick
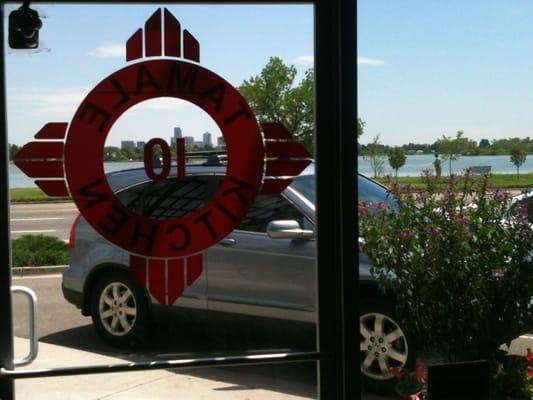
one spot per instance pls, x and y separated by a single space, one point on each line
287 229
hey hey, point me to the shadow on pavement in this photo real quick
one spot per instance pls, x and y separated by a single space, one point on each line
172 341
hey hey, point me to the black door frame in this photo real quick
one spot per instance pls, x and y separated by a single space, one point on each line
336 161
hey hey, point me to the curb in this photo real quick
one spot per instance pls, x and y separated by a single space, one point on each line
25 271
41 202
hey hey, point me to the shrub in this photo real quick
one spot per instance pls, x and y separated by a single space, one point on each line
37 250
457 259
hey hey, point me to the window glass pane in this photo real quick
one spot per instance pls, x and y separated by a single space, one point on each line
454 248
370 191
118 292
267 209
170 199
306 186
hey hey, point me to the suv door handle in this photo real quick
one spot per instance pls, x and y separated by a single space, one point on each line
228 242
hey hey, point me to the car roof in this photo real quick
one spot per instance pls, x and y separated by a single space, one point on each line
119 180
122 179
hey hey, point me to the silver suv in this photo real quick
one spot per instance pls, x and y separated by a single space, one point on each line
264 268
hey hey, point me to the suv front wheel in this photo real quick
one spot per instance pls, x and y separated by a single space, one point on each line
119 310
383 345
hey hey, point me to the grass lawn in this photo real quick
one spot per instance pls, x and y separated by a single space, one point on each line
32 194
502 181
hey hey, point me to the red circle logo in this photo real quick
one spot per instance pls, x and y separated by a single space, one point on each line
101 109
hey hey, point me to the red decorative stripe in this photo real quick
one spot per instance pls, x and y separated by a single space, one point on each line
52 130
172 35
191 47
138 269
165 279
285 167
41 150
152 35
156 279
53 187
41 169
274 130
286 150
134 46
275 186
194 268
176 279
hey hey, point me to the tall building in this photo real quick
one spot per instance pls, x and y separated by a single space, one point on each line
189 140
140 145
207 139
127 144
221 142
177 135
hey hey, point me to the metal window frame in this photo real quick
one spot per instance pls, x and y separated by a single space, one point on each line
337 252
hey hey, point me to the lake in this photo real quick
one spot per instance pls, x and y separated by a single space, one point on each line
17 179
414 166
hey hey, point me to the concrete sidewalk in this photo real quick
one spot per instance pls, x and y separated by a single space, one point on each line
153 384
145 385
163 384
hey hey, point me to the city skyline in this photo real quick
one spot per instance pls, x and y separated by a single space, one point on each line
207 140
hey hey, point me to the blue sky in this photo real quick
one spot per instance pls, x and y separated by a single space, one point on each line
442 66
86 44
426 68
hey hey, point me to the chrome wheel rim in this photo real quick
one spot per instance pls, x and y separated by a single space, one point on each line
383 345
117 309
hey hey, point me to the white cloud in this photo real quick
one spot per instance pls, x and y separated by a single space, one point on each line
164 103
304 60
369 61
54 103
109 50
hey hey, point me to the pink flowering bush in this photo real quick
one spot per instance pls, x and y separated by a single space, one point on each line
457 258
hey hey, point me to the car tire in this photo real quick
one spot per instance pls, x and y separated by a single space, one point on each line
383 344
119 310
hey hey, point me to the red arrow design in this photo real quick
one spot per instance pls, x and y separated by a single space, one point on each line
285 158
44 159
162 25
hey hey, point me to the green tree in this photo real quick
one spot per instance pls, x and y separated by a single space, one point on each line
273 97
452 148
518 157
396 159
360 127
376 156
484 143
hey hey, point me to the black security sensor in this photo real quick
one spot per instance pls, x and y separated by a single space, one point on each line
24 25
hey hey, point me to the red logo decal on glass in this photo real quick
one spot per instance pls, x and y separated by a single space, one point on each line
68 157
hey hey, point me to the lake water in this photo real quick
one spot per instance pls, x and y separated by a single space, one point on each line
414 166
17 179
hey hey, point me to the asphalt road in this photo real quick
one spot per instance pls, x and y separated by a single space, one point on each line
53 219
60 323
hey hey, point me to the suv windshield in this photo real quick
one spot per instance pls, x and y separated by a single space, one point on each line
369 191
